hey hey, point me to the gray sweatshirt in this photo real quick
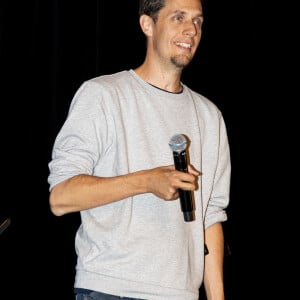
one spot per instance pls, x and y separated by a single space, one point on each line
140 246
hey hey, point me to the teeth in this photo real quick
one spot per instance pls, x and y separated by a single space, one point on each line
185 45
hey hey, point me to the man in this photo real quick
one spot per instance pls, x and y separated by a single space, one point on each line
111 161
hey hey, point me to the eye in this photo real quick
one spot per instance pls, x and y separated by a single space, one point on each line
198 22
178 18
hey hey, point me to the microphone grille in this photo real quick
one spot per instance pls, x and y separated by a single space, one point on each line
178 142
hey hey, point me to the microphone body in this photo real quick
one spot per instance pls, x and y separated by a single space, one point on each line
178 145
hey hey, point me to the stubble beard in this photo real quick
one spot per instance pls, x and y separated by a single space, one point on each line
179 62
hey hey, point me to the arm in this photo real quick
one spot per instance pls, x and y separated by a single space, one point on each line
85 191
213 271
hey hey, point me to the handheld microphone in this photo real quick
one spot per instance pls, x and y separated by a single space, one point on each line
178 145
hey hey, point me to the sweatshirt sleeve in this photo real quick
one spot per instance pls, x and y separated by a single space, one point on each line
78 144
219 198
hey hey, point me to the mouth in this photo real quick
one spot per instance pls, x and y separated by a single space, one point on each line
184 45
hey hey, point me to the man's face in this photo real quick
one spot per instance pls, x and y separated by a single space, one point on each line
177 32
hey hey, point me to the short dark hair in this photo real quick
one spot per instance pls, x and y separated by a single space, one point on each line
151 8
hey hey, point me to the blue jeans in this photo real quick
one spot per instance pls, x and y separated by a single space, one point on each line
83 294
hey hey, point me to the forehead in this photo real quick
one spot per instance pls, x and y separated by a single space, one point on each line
184 6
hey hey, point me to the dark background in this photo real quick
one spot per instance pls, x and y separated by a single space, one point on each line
47 49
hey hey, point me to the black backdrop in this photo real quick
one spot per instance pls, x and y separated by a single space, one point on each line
47 49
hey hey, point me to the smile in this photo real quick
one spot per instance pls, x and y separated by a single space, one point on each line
185 45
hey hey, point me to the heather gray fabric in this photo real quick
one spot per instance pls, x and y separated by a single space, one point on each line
141 247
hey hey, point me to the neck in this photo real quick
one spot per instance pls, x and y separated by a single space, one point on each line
165 80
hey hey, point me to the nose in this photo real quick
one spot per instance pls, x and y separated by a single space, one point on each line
190 29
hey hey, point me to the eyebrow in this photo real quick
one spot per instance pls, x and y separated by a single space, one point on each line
177 11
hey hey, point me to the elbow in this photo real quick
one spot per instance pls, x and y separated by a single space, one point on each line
55 202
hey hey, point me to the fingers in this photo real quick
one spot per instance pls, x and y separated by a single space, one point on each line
165 181
186 181
192 170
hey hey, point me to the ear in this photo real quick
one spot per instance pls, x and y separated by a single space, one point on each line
146 24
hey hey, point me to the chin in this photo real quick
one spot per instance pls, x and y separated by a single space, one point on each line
181 62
